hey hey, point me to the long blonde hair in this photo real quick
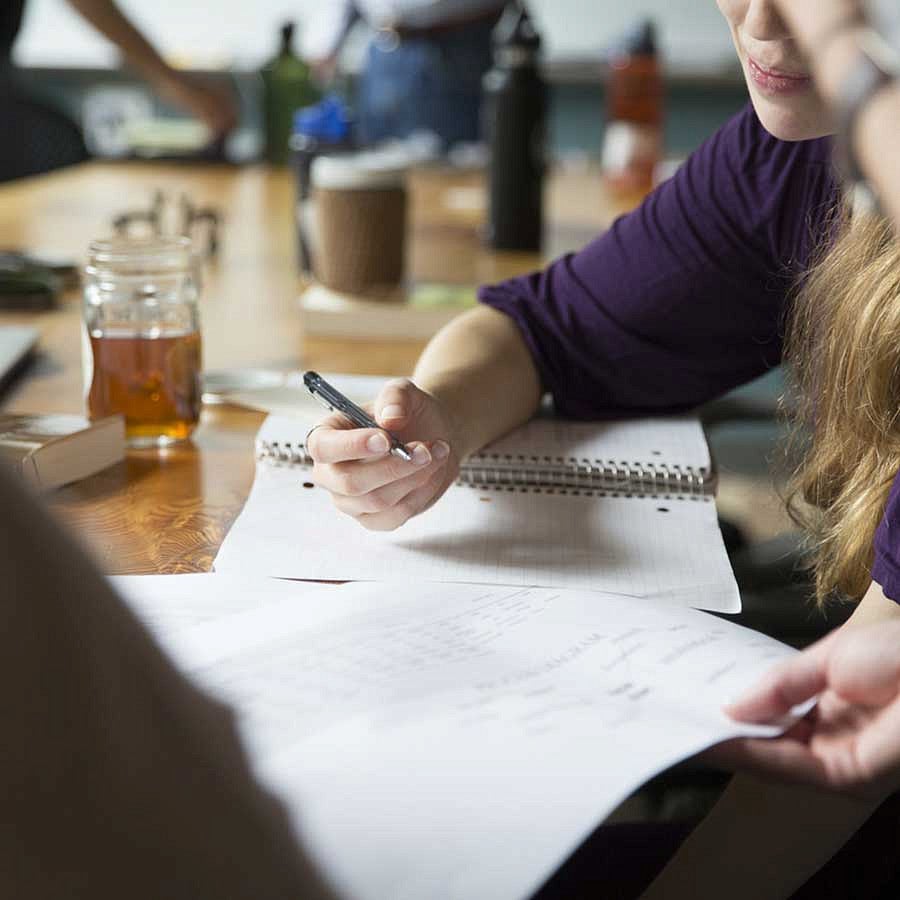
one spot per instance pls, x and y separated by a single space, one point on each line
843 350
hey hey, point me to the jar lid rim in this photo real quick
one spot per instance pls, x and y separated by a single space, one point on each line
121 249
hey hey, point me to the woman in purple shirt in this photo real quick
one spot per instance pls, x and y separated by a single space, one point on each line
681 300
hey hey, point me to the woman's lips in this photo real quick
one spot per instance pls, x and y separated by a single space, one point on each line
771 81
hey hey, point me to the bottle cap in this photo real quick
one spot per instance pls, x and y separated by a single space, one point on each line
514 36
139 256
640 40
327 121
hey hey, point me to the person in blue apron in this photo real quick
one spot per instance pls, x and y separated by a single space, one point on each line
423 67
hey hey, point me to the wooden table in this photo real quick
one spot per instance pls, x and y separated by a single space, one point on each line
168 511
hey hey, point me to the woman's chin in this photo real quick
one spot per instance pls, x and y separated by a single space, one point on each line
792 119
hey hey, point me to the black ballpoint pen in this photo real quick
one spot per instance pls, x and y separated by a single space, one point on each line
332 398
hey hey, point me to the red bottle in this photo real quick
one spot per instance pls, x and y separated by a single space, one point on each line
633 137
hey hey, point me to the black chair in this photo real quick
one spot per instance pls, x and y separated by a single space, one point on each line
37 137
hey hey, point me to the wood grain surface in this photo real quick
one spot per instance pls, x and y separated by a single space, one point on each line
168 511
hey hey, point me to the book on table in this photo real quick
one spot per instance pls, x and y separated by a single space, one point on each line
409 312
615 506
49 451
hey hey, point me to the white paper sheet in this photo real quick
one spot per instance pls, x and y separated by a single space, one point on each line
171 604
460 741
638 546
290 399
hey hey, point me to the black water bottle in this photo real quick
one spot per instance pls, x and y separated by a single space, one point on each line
515 106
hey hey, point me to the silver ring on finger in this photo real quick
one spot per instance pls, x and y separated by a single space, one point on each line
306 442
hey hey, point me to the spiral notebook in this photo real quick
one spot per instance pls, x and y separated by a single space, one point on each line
624 507
636 458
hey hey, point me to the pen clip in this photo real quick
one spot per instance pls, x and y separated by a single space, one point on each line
322 400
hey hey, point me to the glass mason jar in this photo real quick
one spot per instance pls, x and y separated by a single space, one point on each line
142 337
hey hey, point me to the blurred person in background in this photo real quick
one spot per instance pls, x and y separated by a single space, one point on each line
423 67
119 777
48 138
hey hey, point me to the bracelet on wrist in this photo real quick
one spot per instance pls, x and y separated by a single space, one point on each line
877 67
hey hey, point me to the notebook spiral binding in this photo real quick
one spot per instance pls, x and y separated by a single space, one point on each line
517 472
594 475
283 452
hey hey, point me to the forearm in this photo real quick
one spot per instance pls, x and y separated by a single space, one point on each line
106 17
879 149
875 136
349 16
481 371
761 841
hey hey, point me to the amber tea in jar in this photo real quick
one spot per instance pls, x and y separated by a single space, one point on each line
142 355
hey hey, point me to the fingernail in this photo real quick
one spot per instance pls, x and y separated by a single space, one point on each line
440 451
394 411
378 443
421 456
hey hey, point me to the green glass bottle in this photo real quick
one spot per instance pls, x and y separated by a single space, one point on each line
287 86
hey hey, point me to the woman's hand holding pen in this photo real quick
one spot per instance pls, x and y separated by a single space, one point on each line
365 480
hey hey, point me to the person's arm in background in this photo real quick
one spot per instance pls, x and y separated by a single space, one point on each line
119 777
878 148
325 37
214 106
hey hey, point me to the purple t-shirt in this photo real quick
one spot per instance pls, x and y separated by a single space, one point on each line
684 298
886 568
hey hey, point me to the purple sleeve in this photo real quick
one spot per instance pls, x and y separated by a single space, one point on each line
682 299
886 568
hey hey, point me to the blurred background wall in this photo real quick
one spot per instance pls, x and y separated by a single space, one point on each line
64 57
232 32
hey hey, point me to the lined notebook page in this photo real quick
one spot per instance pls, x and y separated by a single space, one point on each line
636 546
672 441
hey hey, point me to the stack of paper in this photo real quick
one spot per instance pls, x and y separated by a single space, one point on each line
508 667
